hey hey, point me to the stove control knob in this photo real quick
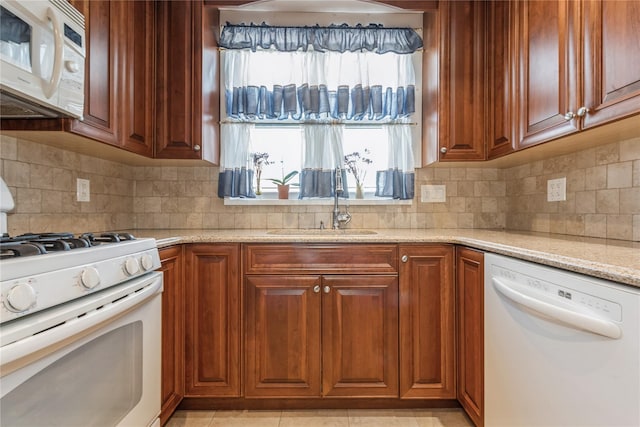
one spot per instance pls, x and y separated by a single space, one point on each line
20 298
131 266
147 262
90 278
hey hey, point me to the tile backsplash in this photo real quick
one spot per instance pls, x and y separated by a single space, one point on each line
603 193
42 180
603 196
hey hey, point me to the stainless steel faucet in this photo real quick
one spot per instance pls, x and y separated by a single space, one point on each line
339 217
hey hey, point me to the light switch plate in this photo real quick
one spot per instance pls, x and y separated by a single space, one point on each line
433 193
557 190
83 193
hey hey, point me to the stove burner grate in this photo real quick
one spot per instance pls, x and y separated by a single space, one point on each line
41 243
20 249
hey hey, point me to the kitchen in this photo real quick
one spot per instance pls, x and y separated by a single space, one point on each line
167 198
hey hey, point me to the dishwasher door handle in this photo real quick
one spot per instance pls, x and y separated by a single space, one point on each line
565 315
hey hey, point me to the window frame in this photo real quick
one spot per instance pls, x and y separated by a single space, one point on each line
389 18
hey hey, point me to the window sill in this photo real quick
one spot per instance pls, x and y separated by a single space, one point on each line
272 200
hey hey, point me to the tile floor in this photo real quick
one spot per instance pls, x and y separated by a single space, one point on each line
323 418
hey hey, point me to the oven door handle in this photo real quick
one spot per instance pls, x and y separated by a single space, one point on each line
557 311
59 336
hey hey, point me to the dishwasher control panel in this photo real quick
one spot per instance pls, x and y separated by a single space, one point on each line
551 289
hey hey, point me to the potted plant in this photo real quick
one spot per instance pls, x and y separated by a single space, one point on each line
283 186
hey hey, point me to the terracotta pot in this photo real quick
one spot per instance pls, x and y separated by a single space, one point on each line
283 191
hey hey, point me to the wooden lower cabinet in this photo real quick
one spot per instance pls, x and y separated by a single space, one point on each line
360 336
283 344
321 336
427 322
470 309
311 333
314 330
212 320
172 389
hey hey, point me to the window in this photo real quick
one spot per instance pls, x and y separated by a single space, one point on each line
360 145
327 101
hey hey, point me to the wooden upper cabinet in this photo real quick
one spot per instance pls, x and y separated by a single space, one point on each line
187 116
462 84
137 70
212 320
102 26
548 63
501 78
579 65
119 74
427 323
611 60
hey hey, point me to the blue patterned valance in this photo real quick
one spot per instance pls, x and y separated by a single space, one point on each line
335 38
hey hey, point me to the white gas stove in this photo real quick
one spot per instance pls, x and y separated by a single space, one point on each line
39 271
80 334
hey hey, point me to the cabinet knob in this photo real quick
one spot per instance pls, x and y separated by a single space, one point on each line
582 111
443 150
196 147
316 288
570 115
326 289
404 258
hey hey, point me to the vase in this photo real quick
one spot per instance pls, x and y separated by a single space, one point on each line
258 191
359 191
283 191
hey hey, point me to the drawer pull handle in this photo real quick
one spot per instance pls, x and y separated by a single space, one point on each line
316 288
326 289
404 258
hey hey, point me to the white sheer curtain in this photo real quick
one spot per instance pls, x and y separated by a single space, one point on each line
310 75
269 84
322 154
397 181
236 164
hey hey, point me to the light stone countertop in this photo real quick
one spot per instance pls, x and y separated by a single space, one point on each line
614 260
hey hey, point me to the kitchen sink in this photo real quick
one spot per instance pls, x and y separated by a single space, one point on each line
318 232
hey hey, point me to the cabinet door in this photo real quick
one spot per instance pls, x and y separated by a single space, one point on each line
611 60
212 313
427 353
548 74
186 39
137 71
282 336
119 74
501 109
462 105
172 331
470 309
360 336
178 135
102 24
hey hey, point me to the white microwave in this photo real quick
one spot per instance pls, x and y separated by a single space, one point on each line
42 57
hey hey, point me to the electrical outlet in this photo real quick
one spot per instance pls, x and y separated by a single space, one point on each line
433 193
557 190
83 193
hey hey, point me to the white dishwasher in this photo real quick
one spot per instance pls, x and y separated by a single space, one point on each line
561 349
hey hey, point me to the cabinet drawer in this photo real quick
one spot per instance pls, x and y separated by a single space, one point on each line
315 258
